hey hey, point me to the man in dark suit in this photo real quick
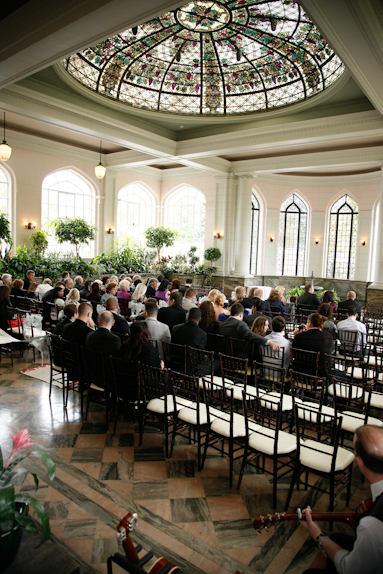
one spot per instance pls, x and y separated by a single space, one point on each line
189 333
87 288
174 314
258 308
29 277
120 324
236 328
103 340
350 302
77 331
188 285
151 288
70 315
68 282
309 299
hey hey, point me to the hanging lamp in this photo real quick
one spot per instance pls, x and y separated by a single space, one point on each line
5 149
100 170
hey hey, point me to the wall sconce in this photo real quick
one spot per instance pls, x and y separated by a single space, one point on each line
218 235
30 225
109 230
272 239
363 241
316 241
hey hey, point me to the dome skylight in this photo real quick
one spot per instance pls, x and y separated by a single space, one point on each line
212 58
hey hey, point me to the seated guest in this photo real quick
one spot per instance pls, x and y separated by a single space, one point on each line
329 327
258 294
86 289
309 299
313 339
136 280
139 294
70 314
210 296
138 348
31 290
43 288
73 297
5 292
64 275
281 290
124 297
188 302
350 302
68 283
162 291
240 294
260 326
29 276
219 310
328 297
189 333
175 285
235 327
78 282
152 287
248 301
158 331
276 305
174 314
103 340
48 294
291 305
277 334
105 280
95 293
110 291
258 308
6 279
113 279
55 296
188 285
120 324
352 324
17 288
208 322
77 331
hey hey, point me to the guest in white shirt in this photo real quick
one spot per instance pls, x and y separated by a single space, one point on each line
188 302
352 324
158 331
45 286
278 326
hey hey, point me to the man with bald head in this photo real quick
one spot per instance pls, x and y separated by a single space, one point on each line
363 554
350 302
103 340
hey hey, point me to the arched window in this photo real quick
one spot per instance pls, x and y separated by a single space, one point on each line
343 229
4 194
185 212
135 212
292 236
254 235
66 194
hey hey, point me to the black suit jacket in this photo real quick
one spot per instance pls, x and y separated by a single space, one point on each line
249 319
120 324
183 289
103 341
189 334
172 316
238 330
344 305
76 332
58 330
309 299
313 340
150 292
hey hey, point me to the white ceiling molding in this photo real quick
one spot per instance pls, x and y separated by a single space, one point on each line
319 181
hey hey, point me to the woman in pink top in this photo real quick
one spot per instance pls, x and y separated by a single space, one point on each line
124 297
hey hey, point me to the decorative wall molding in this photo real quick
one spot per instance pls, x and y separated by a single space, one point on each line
340 181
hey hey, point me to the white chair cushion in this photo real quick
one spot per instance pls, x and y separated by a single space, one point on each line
343 391
217 381
351 421
221 424
308 415
96 388
322 460
286 442
376 400
274 398
358 373
254 392
158 405
189 414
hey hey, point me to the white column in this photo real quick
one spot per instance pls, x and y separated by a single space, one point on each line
224 222
110 210
243 224
378 274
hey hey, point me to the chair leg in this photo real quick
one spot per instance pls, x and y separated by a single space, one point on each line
166 430
116 411
231 454
293 481
332 489
244 462
275 472
349 486
206 447
141 425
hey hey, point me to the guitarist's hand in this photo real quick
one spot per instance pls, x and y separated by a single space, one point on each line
309 525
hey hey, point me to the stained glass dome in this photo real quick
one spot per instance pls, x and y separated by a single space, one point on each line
212 58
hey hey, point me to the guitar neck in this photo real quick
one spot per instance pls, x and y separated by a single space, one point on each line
269 521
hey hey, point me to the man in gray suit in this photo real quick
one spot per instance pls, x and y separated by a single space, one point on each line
188 302
158 331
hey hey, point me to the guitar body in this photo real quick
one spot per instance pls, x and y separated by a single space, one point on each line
162 562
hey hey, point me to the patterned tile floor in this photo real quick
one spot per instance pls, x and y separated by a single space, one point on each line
192 518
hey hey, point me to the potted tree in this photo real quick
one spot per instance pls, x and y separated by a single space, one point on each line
211 254
39 241
158 237
76 231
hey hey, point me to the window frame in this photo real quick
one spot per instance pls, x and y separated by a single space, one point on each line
303 248
130 189
352 238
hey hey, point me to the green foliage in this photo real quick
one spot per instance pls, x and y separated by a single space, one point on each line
74 231
39 241
128 257
297 291
207 272
158 237
5 229
185 264
212 254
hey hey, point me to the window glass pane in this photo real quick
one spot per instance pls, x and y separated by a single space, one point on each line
343 229
292 236
135 212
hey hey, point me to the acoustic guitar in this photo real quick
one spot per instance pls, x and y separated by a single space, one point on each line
124 529
272 520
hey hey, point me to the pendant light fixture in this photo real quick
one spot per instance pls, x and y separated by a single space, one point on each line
5 149
100 169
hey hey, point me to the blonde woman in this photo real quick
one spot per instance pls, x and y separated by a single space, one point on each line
240 293
281 290
73 297
219 308
124 296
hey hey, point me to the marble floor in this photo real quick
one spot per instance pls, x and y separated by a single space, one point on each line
192 518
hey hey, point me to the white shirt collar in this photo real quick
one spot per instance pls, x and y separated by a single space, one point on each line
376 489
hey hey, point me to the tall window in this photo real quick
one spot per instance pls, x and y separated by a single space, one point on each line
185 212
4 193
343 231
292 236
254 235
135 212
66 195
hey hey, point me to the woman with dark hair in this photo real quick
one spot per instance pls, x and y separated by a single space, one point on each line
95 294
162 290
16 288
4 302
326 311
276 304
313 339
260 326
138 347
56 296
31 291
328 297
208 322
175 285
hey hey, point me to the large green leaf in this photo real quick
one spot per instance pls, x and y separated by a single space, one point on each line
7 508
47 462
40 511
26 522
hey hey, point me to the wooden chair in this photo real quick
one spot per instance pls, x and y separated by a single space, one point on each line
98 385
56 362
175 357
234 373
127 390
305 361
74 368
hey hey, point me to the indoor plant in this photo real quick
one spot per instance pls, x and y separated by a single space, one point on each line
12 518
